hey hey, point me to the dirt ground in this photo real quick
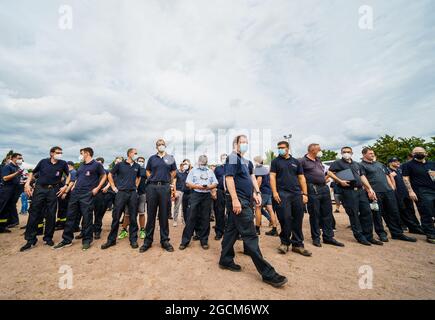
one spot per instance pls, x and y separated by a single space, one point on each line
400 270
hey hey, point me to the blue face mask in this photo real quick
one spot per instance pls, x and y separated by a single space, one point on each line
243 147
281 152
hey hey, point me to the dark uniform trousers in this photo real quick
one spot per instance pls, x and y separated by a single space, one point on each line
157 201
99 211
44 205
290 214
186 208
62 211
199 218
243 224
378 223
219 212
320 211
357 206
407 213
13 217
7 196
80 203
124 198
185 205
426 209
390 211
109 199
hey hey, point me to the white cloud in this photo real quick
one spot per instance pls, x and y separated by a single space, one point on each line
129 71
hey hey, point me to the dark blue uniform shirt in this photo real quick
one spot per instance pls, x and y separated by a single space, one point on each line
73 174
314 170
126 175
10 169
141 189
88 176
51 173
287 172
219 172
376 173
340 165
263 172
240 169
161 168
181 180
401 190
418 173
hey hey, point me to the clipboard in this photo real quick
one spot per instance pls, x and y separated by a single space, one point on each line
346 175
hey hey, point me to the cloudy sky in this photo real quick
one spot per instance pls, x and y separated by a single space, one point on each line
197 72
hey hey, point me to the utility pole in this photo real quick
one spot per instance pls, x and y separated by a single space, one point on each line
288 137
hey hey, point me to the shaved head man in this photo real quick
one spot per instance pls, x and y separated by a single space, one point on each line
419 178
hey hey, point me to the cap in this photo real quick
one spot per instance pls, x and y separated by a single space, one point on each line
393 159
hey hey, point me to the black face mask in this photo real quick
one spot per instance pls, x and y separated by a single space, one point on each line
419 156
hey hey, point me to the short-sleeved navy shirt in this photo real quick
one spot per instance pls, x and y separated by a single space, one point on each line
161 168
181 180
8 170
126 175
376 173
314 170
418 173
219 172
241 170
141 189
401 189
340 165
287 172
1 175
263 172
88 176
73 174
51 173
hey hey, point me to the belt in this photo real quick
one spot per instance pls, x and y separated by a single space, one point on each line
317 184
49 186
353 189
159 183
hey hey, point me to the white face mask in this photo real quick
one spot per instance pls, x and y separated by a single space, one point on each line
223 159
19 162
185 167
161 148
81 158
57 157
320 154
346 155
142 164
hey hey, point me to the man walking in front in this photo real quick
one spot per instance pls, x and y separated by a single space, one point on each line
241 188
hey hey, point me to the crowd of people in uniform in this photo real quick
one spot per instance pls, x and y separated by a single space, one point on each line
238 192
